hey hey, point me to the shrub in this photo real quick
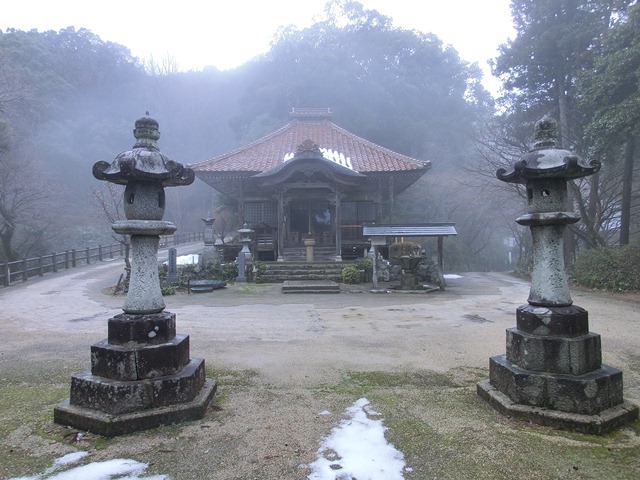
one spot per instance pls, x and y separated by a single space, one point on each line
609 268
350 275
256 271
366 265
170 290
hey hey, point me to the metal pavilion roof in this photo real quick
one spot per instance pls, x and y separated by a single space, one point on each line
411 230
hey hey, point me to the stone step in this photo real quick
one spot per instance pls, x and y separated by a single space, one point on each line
278 272
315 287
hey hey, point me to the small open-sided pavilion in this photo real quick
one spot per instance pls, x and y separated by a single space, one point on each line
383 235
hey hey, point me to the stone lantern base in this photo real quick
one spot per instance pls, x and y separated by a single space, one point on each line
552 374
141 377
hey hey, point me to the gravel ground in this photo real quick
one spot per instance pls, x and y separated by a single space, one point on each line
280 360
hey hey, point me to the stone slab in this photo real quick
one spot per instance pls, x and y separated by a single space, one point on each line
127 329
310 286
576 355
110 425
120 397
554 321
599 424
119 362
587 394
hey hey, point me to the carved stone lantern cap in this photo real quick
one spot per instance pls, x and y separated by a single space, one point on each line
546 159
144 162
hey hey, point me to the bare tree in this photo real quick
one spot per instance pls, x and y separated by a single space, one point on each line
108 199
24 200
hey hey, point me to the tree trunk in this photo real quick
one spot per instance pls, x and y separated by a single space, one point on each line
563 139
627 184
6 238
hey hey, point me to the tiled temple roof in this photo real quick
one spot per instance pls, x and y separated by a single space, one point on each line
337 145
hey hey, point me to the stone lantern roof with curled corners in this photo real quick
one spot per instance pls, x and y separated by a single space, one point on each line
144 162
546 159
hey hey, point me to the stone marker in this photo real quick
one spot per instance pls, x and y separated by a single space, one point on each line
552 372
141 376
172 268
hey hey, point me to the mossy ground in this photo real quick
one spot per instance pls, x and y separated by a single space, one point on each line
258 430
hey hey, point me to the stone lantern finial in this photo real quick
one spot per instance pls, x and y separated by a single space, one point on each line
146 132
545 133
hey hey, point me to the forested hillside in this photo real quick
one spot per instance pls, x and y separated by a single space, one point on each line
69 99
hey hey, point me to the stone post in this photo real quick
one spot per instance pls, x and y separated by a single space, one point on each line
552 372
172 268
141 375
310 244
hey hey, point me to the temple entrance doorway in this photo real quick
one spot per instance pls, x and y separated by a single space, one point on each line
311 219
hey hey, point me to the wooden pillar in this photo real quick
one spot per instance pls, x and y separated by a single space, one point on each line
281 227
441 261
375 266
391 200
338 224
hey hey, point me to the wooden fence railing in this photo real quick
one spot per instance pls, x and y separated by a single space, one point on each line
22 270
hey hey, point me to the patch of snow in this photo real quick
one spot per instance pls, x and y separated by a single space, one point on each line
329 154
451 275
357 448
337 157
70 458
191 259
188 259
325 412
106 470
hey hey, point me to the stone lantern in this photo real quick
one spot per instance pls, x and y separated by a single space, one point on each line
141 376
552 372
209 252
245 253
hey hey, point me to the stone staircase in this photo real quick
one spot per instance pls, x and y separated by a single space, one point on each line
280 272
320 253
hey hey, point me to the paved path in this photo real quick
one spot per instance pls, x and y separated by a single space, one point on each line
302 337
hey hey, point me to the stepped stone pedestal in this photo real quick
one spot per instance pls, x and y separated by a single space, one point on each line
552 372
141 375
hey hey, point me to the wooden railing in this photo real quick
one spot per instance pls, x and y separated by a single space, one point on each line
22 270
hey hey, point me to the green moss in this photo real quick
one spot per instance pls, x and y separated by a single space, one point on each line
404 379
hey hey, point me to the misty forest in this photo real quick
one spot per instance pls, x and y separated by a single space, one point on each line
69 99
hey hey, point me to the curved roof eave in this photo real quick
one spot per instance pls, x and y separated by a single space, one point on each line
273 149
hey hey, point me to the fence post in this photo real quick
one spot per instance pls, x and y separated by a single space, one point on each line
66 259
25 269
73 258
111 250
40 270
100 253
54 267
88 255
7 275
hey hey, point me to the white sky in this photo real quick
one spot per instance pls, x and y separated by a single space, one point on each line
226 34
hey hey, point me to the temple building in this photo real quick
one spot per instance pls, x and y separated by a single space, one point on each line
311 180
